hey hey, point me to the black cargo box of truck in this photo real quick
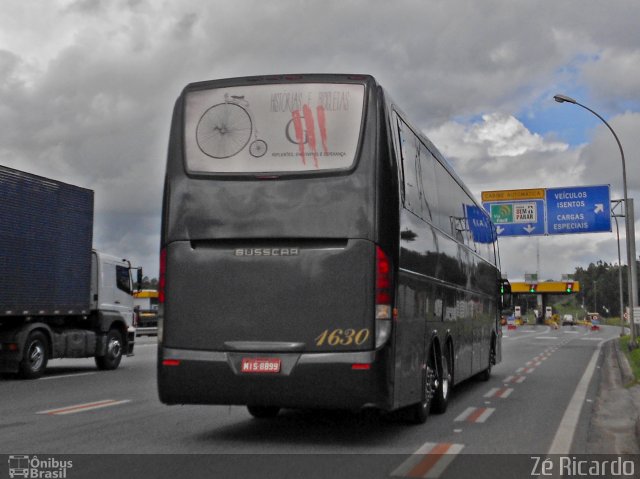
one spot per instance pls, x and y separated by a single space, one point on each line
46 230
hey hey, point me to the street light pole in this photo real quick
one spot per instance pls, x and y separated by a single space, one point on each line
621 297
629 219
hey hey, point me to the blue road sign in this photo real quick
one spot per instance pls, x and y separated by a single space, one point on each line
482 230
578 209
517 217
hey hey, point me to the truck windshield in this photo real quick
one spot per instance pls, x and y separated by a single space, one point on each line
299 127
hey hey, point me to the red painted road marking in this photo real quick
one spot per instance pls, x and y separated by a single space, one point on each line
83 407
429 461
515 379
525 370
475 414
501 393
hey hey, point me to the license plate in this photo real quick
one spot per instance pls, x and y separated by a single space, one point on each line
260 365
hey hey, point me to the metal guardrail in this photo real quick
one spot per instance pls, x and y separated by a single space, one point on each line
147 331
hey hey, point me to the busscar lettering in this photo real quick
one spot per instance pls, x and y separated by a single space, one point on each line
266 252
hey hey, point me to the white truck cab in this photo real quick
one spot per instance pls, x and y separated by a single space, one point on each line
112 295
111 285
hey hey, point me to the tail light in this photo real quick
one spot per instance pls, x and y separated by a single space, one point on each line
163 272
384 296
162 283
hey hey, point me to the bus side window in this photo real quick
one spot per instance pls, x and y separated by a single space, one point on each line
443 184
428 177
410 169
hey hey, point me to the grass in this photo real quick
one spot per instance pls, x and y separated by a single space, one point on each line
632 356
615 321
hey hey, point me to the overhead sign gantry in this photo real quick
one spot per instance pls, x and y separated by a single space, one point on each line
549 211
546 287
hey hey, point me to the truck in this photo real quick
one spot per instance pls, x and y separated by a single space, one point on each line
59 298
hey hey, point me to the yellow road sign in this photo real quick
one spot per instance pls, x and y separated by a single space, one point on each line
546 287
511 195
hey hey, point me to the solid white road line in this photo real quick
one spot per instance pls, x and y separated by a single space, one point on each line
66 376
564 435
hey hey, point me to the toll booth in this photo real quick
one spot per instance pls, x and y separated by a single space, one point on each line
545 289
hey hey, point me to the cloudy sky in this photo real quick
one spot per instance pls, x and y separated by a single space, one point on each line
87 88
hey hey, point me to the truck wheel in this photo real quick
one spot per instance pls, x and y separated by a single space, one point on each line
36 355
263 412
111 360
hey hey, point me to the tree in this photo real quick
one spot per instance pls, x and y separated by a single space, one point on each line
599 287
149 283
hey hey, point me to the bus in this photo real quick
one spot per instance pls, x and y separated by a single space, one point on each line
317 251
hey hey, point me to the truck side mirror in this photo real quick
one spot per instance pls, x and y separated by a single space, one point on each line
139 279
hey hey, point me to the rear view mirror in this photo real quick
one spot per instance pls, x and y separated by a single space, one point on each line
505 294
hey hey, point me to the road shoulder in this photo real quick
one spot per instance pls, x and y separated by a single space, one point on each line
615 423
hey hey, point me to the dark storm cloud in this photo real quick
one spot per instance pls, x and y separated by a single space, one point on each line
87 86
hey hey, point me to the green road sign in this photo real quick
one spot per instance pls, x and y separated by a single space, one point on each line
502 213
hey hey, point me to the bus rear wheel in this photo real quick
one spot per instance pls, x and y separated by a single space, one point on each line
486 374
263 412
419 412
444 381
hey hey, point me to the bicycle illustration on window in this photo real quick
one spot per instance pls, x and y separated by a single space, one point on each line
225 129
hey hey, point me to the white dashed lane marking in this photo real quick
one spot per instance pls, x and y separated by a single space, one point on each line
429 461
83 407
515 379
501 393
475 414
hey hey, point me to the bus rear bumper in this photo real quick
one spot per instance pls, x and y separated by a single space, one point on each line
348 380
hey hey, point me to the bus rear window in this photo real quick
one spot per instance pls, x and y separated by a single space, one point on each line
300 127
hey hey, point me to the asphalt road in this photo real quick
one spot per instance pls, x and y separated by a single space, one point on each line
537 402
